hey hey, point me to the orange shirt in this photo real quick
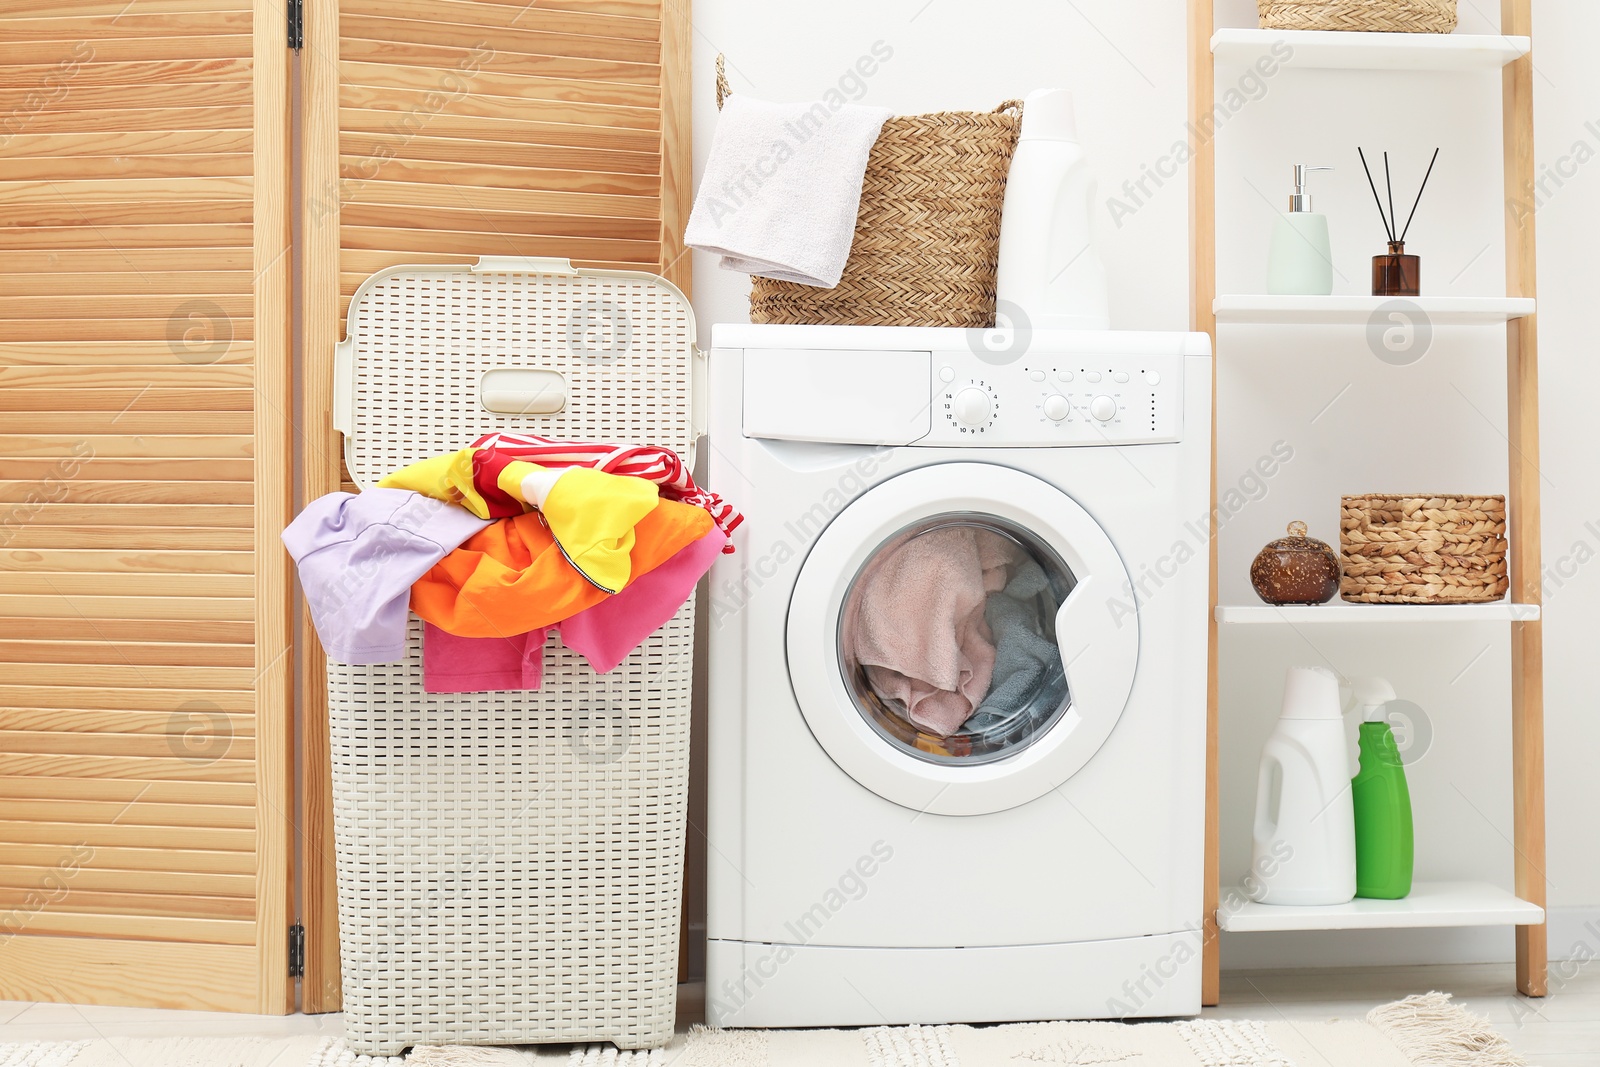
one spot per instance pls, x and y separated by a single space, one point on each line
511 577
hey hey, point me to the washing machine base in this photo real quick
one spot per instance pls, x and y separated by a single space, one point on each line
757 984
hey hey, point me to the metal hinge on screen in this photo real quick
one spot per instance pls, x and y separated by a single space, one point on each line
297 24
297 951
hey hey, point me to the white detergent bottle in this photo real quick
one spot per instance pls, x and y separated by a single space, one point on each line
1305 839
1049 275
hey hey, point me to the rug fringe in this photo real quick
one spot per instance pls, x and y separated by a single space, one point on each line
1433 1032
464 1056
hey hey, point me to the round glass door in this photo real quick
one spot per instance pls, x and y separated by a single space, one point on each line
947 640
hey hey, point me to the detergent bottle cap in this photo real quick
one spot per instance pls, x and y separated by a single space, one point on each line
1048 115
1311 693
1371 695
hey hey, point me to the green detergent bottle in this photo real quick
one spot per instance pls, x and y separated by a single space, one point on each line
1384 844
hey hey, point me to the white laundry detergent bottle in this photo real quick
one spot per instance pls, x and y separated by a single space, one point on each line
1049 275
1305 839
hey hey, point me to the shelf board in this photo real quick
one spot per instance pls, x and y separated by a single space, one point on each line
1326 49
1266 310
1339 612
1430 904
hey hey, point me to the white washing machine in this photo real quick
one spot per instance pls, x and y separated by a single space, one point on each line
957 686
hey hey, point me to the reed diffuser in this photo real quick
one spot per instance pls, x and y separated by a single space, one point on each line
1395 273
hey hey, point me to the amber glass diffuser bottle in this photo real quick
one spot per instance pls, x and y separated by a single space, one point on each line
1395 273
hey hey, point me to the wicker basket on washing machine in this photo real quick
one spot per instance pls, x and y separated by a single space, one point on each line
510 864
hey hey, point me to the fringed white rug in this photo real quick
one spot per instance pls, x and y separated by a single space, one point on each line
1421 1031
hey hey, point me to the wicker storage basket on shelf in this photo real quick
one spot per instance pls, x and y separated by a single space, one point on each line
927 234
1385 16
1423 550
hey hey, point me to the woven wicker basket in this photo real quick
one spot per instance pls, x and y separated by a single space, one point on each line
1422 549
1386 16
927 237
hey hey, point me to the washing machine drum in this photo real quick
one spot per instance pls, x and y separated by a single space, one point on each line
952 641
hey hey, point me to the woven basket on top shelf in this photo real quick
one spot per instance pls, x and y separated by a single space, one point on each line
1423 549
927 236
1387 16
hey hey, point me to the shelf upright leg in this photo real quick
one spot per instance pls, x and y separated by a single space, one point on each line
1527 641
1202 294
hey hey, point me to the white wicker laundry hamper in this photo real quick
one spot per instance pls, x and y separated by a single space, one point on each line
510 864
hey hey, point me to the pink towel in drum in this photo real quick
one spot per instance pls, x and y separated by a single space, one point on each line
919 627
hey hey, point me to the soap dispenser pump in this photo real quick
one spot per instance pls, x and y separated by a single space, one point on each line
1300 262
1385 845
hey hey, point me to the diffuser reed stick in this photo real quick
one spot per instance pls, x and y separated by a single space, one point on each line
1395 273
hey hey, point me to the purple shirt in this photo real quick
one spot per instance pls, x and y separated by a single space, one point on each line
358 556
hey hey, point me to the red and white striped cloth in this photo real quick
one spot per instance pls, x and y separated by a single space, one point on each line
659 465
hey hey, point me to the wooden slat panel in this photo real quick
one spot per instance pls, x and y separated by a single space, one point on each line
136 859
369 148
525 29
169 608
162 724
105 446
237 887
580 116
118 245
70 561
125 190
169 72
116 674
134 144
446 47
123 835
140 973
142 769
141 812
356 170
83 491
129 23
111 211
379 227
84 377
72 585
487 81
127 167
115 8
133 904
110 120
148 399
507 127
92 650
122 97
134 538
234 517
128 793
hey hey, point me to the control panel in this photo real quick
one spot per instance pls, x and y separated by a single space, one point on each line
1072 398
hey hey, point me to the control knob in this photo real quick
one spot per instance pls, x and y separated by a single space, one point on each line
1103 408
973 407
1056 407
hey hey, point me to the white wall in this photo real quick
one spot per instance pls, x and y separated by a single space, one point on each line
1354 422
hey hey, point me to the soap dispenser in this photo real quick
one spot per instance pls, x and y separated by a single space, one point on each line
1301 261
1048 269
1303 841
1385 847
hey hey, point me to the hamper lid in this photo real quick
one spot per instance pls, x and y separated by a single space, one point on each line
436 355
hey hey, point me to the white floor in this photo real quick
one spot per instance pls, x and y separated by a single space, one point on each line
1562 1030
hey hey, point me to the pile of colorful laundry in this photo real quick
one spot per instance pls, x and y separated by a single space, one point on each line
499 543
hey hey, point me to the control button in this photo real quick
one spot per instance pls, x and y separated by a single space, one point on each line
1036 375
1056 407
972 407
1152 378
947 374
1120 377
1063 376
1103 408
1092 376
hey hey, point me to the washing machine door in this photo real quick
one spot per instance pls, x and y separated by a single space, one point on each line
956 640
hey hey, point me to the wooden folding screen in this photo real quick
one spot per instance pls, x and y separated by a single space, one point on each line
145 406
445 130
